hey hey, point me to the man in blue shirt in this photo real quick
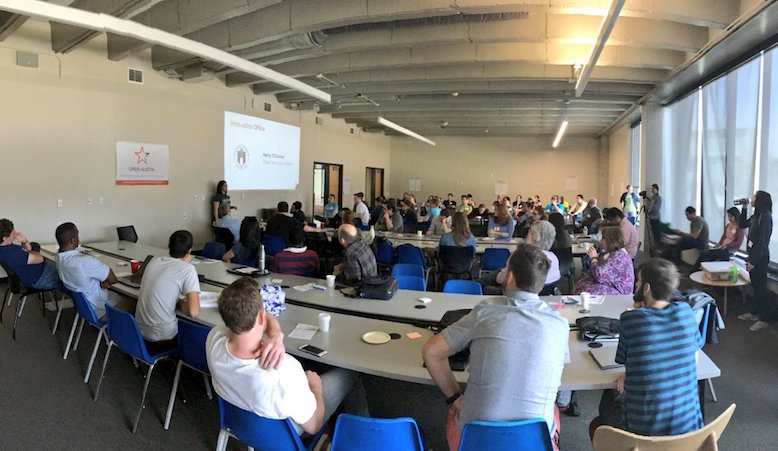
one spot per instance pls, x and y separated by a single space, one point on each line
331 207
658 346
16 251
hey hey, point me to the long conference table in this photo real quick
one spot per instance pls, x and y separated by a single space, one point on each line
398 359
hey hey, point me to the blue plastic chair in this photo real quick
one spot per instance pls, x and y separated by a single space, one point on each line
273 244
262 434
463 287
84 314
123 333
16 287
376 434
410 283
530 435
358 224
408 253
494 259
191 353
384 253
407 269
213 250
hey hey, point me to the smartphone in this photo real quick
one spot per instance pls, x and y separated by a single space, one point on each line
310 349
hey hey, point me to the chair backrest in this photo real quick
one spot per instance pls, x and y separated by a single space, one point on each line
213 250
376 434
84 308
612 439
408 253
410 283
224 235
407 269
14 283
463 287
565 257
494 258
127 233
706 312
513 435
191 344
273 244
384 253
262 434
123 331
455 259
635 258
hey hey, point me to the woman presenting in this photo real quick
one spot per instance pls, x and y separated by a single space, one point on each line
221 197
760 229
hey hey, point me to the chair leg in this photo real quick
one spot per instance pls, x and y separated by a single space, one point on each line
6 301
78 335
207 381
173 391
19 308
70 337
221 442
102 373
712 391
143 398
94 354
59 313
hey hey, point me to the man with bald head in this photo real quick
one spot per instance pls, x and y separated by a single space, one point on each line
358 258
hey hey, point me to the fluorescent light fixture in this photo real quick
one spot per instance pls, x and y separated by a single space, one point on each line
608 22
368 100
405 131
110 24
559 134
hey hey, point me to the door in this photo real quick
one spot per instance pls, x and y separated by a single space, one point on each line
374 184
327 179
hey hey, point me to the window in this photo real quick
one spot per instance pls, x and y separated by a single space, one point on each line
680 145
768 161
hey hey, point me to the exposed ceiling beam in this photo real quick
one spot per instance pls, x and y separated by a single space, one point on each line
9 23
608 22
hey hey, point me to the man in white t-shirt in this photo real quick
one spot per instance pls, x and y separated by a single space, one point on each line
288 391
86 274
165 280
360 209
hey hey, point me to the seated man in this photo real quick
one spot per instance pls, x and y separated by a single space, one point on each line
298 213
281 223
268 382
615 217
518 334
658 347
390 219
578 207
86 274
227 221
33 270
591 217
410 219
296 259
164 281
697 238
465 206
441 223
377 210
555 205
358 258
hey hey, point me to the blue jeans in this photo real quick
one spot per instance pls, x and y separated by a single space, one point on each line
49 280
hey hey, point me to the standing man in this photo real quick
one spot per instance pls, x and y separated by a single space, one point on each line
630 203
510 336
360 209
358 259
653 210
17 252
658 345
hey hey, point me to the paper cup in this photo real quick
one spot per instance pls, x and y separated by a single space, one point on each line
418 232
330 281
134 266
324 322
585 300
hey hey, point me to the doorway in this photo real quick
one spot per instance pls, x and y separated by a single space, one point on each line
327 179
374 184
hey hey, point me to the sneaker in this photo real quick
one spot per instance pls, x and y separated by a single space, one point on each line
759 325
748 317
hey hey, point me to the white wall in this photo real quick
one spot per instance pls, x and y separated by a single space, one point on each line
472 165
60 123
618 164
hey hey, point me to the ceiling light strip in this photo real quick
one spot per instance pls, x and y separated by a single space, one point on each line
110 24
559 134
405 131
606 27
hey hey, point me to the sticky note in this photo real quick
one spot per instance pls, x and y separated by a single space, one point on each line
413 335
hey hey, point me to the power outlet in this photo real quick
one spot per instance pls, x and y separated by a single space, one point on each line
59 203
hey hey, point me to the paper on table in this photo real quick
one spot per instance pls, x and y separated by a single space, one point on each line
245 270
303 288
209 299
122 273
303 331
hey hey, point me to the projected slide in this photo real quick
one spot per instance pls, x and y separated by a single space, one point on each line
260 154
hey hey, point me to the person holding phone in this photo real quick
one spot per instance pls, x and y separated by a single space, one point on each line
760 230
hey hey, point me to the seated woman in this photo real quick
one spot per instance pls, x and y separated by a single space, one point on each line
612 272
562 239
729 243
460 233
541 235
501 225
245 250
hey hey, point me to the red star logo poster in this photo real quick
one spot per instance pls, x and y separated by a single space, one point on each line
142 154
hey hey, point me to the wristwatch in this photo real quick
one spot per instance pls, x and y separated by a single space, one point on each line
453 398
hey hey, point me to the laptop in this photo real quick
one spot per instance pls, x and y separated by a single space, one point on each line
133 280
605 357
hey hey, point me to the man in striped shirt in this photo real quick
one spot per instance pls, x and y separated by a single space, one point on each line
658 345
296 259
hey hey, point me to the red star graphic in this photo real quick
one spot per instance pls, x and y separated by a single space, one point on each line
142 154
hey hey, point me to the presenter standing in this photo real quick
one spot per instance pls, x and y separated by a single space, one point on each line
760 229
221 197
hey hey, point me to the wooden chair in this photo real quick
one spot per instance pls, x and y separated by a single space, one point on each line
607 438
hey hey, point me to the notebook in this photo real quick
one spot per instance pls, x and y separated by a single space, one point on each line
605 357
133 280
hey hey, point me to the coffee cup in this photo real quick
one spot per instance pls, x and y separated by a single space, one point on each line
585 300
324 322
418 232
331 281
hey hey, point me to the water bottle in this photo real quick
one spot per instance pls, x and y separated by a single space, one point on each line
262 258
734 273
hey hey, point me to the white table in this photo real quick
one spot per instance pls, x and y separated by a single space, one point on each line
700 278
481 243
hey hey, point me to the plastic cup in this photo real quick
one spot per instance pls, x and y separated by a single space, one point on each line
324 322
418 232
330 281
134 266
585 300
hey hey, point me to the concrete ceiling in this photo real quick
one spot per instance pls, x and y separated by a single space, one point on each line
438 67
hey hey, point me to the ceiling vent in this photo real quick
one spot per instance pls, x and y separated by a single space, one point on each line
135 76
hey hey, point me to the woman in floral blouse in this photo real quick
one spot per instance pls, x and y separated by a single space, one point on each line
611 272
